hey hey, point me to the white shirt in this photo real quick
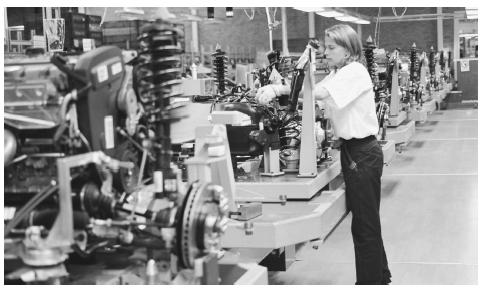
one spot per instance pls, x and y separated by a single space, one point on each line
351 104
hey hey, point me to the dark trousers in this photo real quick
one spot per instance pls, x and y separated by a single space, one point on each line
363 185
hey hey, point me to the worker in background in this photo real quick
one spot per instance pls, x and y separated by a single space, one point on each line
348 94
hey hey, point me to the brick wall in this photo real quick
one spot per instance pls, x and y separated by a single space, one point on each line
242 36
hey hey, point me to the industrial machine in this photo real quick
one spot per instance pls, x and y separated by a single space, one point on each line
90 179
273 131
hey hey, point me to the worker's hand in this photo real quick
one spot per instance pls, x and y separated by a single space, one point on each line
265 94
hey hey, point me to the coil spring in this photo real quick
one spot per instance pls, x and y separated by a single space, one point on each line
370 58
289 134
158 74
413 63
441 59
219 62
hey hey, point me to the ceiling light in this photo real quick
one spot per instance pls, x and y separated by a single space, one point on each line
330 14
361 21
129 10
310 9
468 35
347 18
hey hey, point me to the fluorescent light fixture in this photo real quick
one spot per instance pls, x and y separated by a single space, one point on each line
310 9
472 12
468 35
20 27
361 21
347 18
330 14
130 10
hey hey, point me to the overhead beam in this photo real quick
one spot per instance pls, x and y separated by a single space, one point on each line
417 17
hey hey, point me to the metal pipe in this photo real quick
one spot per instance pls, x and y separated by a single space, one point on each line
284 31
270 30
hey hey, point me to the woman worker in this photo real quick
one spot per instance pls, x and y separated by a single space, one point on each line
348 94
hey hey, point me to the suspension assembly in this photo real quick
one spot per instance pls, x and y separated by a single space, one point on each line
431 66
368 50
413 64
219 62
158 74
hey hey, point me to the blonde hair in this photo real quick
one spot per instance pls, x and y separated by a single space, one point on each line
346 37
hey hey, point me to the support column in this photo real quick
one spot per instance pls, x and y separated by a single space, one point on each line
311 25
270 29
456 52
440 34
7 33
195 34
284 32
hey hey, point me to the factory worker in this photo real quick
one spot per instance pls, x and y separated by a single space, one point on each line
348 94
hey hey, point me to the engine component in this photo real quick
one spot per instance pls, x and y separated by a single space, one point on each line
219 62
102 73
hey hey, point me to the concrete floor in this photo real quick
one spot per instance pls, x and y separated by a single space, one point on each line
428 213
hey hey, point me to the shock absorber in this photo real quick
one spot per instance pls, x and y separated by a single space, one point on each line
413 63
442 60
431 65
219 61
158 74
369 46
414 74
431 61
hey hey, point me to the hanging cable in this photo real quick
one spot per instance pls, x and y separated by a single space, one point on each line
103 17
394 10
377 28
252 15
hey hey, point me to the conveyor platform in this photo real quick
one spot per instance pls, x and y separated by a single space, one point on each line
395 121
288 186
420 114
388 148
284 225
233 270
402 133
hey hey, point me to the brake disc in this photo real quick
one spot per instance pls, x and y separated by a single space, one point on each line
201 222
